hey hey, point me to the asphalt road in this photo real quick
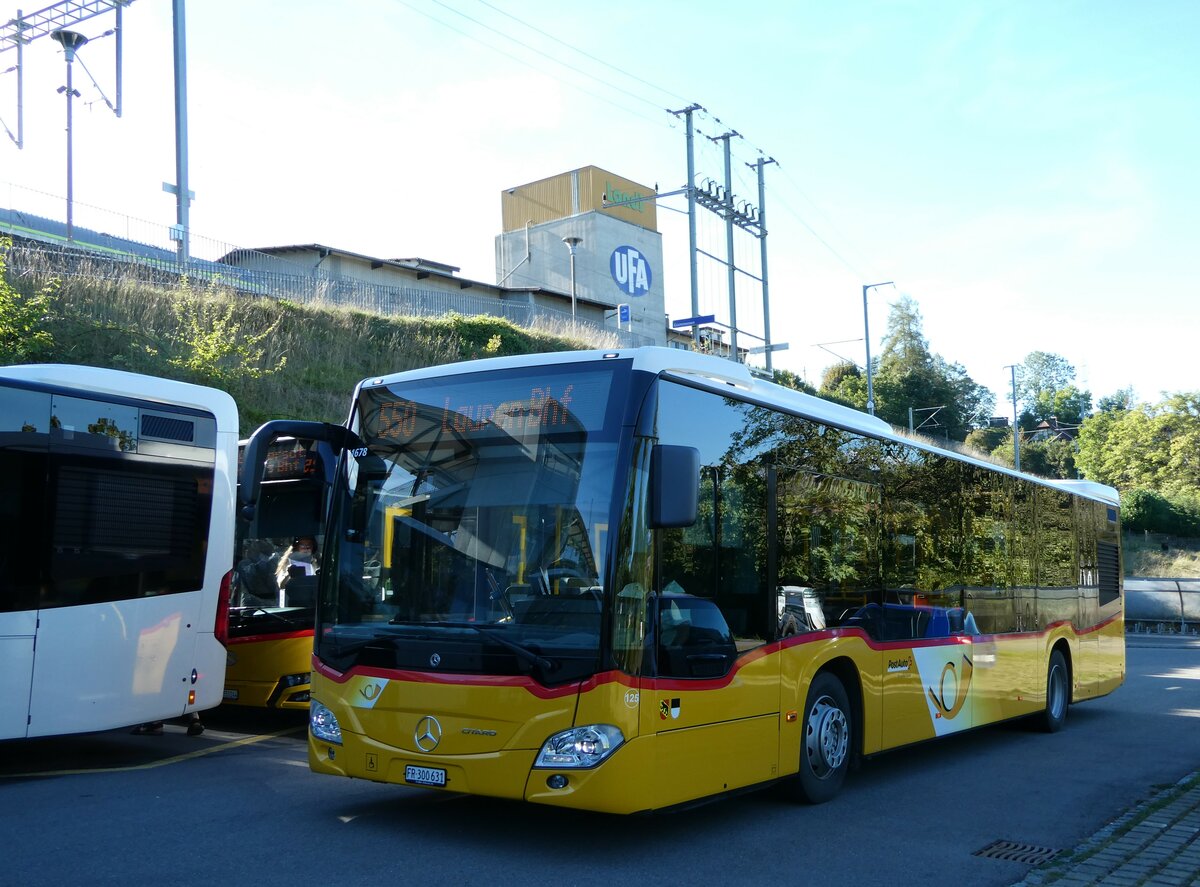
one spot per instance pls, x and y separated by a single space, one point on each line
239 806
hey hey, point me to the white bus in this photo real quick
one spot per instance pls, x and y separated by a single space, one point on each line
116 539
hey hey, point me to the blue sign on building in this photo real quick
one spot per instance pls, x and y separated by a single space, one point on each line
631 271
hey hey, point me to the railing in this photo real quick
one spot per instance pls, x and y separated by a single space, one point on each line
1162 606
143 251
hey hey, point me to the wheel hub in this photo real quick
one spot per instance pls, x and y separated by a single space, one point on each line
827 737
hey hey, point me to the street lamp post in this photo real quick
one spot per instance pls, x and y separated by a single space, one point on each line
867 339
571 243
71 41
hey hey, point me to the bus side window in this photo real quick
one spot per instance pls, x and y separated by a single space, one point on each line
694 639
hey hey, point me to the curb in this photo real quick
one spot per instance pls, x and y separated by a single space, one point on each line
1155 843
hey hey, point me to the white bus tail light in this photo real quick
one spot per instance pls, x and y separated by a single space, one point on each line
221 624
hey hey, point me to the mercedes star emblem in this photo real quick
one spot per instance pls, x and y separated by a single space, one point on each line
428 733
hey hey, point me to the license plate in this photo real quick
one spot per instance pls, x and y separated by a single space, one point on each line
231 695
424 775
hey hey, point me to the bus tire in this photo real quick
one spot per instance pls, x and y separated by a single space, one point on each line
1058 694
825 743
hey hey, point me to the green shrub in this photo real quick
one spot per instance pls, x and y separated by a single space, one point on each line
24 319
1147 511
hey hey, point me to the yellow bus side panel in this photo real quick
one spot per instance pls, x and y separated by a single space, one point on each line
800 663
1111 665
617 702
713 735
690 739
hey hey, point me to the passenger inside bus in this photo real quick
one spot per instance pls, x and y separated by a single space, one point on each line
297 573
256 574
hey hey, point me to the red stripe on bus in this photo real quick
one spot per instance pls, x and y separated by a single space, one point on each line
669 683
476 680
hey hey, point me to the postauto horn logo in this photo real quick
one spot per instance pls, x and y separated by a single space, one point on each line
631 271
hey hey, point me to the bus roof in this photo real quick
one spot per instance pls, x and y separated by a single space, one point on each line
719 374
120 383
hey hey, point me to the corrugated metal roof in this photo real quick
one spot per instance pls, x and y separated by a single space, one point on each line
414 263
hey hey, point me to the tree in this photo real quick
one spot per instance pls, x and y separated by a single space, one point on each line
844 382
909 376
1120 400
1146 510
987 440
1043 371
1046 390
1153 447
788 379
1046 458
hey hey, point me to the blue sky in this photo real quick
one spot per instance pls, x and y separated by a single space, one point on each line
1025 171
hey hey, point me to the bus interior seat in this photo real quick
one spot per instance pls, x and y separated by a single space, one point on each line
938 625
867 618
301 591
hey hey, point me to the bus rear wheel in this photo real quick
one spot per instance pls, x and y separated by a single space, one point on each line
825 746
1058 694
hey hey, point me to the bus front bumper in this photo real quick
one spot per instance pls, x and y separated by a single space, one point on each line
617 785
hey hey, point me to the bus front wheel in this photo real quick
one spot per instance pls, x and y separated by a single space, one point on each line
825 746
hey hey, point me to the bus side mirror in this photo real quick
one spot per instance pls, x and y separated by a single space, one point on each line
250 479
674 486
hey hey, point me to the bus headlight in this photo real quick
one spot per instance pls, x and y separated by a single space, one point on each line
580 747
323 724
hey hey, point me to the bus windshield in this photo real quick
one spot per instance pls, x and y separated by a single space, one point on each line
472 532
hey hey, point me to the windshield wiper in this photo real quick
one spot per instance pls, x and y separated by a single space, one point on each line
531 656
244 614
346 648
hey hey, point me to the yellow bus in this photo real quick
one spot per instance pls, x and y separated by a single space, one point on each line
631 580
273 599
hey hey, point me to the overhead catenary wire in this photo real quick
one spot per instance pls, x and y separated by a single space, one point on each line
709 153
557 61
527 63
597 59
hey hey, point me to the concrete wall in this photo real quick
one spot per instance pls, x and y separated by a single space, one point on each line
613 258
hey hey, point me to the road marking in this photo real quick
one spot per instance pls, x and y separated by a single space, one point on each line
199 753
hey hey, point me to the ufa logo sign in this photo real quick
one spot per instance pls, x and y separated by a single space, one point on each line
631 271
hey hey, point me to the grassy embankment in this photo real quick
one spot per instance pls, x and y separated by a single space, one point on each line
1146 556
278 359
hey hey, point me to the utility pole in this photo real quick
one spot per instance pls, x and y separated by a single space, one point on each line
867 339
1016 425
691 198
730 266
183 197
720 200
762 246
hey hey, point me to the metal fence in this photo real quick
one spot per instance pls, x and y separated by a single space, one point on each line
144 252
1162 606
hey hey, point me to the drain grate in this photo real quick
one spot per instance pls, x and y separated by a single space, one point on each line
1014 851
